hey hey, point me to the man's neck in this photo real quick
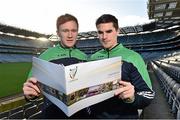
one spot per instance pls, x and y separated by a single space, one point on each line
109 49
64 46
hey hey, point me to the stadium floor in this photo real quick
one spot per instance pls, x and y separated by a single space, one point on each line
159 108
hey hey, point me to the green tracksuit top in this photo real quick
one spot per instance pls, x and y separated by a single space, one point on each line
127 55
59 52
65 56
62 55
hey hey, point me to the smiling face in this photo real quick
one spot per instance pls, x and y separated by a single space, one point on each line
68 33
107 34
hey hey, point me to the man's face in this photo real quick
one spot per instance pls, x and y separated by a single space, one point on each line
68 33
107 35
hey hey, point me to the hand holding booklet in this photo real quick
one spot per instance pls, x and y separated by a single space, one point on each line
80 85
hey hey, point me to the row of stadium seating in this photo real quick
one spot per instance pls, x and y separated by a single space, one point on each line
133 39
148 37
169 85
20 49
17 49
15 57
149 51
18 41
155 55
30 110
164 41
20 53
173 71
13 45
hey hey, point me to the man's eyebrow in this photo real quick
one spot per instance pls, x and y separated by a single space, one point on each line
108 31
100 32
74 30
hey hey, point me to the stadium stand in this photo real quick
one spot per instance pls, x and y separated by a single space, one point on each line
159 46
19 49
152 46
170 88
29 110
158 43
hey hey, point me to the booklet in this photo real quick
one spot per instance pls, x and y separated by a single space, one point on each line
77 86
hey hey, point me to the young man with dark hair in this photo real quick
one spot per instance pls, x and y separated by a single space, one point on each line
135 91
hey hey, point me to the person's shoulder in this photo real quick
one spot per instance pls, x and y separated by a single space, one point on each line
79 51
132 53
48 51
81 54
92 57
97 55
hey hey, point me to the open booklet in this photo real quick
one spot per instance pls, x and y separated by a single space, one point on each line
80 85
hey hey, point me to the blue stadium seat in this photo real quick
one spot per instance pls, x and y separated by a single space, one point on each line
176 105
14 110
36 115
29 111
28 104
174 92
17 115
4 115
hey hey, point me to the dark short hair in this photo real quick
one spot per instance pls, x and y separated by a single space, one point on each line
65 18
107 18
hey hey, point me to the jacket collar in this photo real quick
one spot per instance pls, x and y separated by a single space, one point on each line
64 47
117 47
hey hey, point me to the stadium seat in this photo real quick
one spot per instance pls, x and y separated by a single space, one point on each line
17 115
28 104
174 92
37 115
170 89
4 115
38 101
40 106
12 111
175 101
176 105
29 111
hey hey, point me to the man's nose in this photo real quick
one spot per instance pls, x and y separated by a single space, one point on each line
70 34
104 36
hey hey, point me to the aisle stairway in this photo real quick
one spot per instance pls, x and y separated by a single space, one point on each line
159 108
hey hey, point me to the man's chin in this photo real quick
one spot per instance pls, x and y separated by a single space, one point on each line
106 47
70 46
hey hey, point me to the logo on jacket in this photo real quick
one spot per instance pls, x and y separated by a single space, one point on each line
72 73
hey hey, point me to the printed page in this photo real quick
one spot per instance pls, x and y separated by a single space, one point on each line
51 78
91 82
84 75
49 74
77 86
